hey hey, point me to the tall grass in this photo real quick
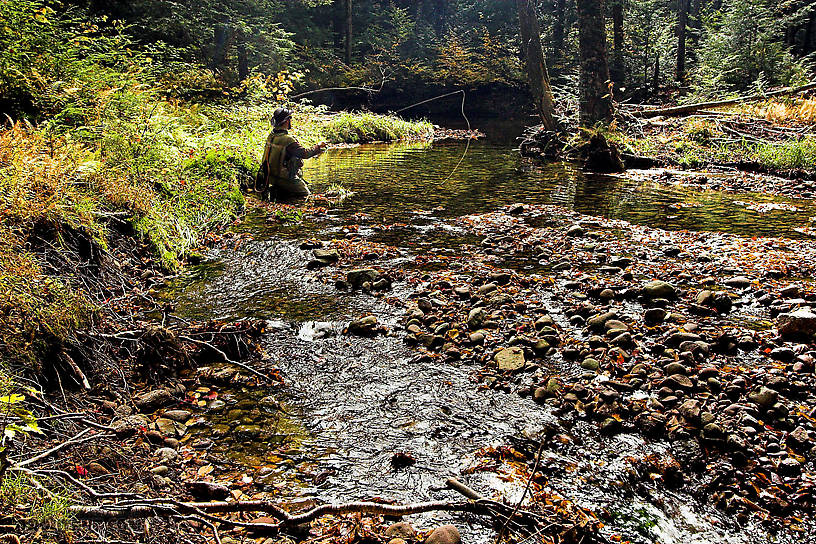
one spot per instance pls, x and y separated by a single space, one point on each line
370 127
45 510
784 111
788 155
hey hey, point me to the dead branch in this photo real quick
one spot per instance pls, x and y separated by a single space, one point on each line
66 476
691 108
226 358
157 508
78 438
75 367
148 508
208 523
461 488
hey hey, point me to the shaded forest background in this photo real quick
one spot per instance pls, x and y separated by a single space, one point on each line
659 50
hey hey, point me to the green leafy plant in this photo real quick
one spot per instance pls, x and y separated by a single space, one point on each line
15 418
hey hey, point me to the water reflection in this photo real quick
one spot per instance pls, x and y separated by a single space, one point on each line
392 181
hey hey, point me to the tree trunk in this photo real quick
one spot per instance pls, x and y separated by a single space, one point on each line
809 41
349 31
646 64
537 74
696 25
682 23
656 74
440 16
595 94
338 24
243 61
618 68
558 29
220 43
691 108
697 14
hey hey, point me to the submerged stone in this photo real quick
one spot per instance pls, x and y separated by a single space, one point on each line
764 397
356 278
364 326
153 399
447 534
401 530
326 255
170 428
247 431
476 318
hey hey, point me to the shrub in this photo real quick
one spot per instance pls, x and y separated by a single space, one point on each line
369 127
700 130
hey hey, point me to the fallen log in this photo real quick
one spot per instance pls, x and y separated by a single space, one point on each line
691 108
640 162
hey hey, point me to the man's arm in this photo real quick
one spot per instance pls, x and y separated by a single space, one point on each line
299 152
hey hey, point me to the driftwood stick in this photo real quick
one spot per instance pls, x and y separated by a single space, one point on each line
78 371
76 439
458 486
85 487
129 510
691 108
148 508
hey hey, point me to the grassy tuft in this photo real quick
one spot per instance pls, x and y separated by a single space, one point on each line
700 130
783 111
370 127
788 155
46 510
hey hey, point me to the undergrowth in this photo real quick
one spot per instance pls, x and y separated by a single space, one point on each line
370 127
44 510
697 142
791 154
782 111
104 135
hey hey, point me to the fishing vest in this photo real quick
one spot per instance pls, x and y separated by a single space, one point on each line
274 164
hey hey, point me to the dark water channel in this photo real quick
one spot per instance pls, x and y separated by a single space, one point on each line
350 404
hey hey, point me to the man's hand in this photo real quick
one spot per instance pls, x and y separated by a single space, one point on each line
322 146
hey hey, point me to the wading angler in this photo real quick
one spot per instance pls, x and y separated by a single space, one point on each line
280 174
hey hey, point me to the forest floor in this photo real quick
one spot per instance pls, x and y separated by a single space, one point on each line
774 138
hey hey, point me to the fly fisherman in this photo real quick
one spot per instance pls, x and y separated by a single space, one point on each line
283 157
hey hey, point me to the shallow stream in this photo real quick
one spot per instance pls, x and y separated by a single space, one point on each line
349 404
